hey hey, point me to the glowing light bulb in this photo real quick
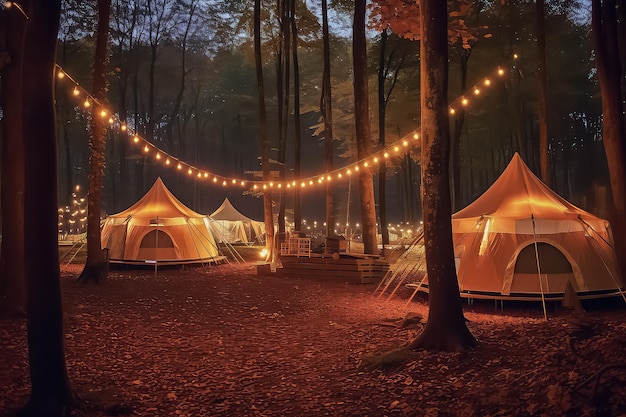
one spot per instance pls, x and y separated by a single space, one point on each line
146 149
214 179
61 75
199 174
476 91
158 155
103 113
75 91
405 143
487 82
123 128
464 101
386 154
167 161
416 136
189 171
179 166
452 111
86 103
135 138
500 71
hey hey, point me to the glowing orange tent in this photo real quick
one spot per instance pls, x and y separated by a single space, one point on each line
159 228
521 239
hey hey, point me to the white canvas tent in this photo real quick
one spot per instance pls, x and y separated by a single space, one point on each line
159 228
230 226
522 240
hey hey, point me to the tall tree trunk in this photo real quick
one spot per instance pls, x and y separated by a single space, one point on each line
283 82
12 278
95 266
362 121
605 40
267 193
297 211
542 75
382 168
51 395
327 114
445 328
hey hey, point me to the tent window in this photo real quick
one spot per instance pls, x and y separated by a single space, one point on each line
156 239
551 260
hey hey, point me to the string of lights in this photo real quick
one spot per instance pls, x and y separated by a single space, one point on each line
149 149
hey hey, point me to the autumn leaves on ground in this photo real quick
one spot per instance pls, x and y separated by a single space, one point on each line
224 341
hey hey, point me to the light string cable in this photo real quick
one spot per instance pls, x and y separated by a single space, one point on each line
150 149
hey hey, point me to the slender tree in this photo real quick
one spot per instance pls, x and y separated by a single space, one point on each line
95 265
445 328
12 279
542 75
267 194
51 395
297 211
327 113
362 121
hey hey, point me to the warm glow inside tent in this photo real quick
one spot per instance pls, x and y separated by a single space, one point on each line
521 239
159 228
229 225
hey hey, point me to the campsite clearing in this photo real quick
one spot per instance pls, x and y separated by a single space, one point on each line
224 341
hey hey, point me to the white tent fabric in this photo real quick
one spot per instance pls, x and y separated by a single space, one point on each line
158 228
229 225
520 238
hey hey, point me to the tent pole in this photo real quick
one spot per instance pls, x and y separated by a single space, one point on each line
415 292
543 300
621 291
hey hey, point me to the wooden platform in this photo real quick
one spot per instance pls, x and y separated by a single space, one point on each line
349 268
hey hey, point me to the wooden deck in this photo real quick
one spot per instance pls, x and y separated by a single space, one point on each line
349 268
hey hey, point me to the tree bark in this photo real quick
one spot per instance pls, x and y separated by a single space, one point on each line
604 33
542 75
51 395
297 211
362 121
267 193
95 265
445 328
12 277
327 114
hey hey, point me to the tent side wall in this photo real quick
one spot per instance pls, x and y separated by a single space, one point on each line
489 256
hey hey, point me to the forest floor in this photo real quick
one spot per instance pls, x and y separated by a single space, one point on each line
224 341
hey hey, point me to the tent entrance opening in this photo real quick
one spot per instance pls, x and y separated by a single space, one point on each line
555 270
156 245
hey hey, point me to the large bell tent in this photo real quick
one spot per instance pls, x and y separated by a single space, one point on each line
521 239
159 228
